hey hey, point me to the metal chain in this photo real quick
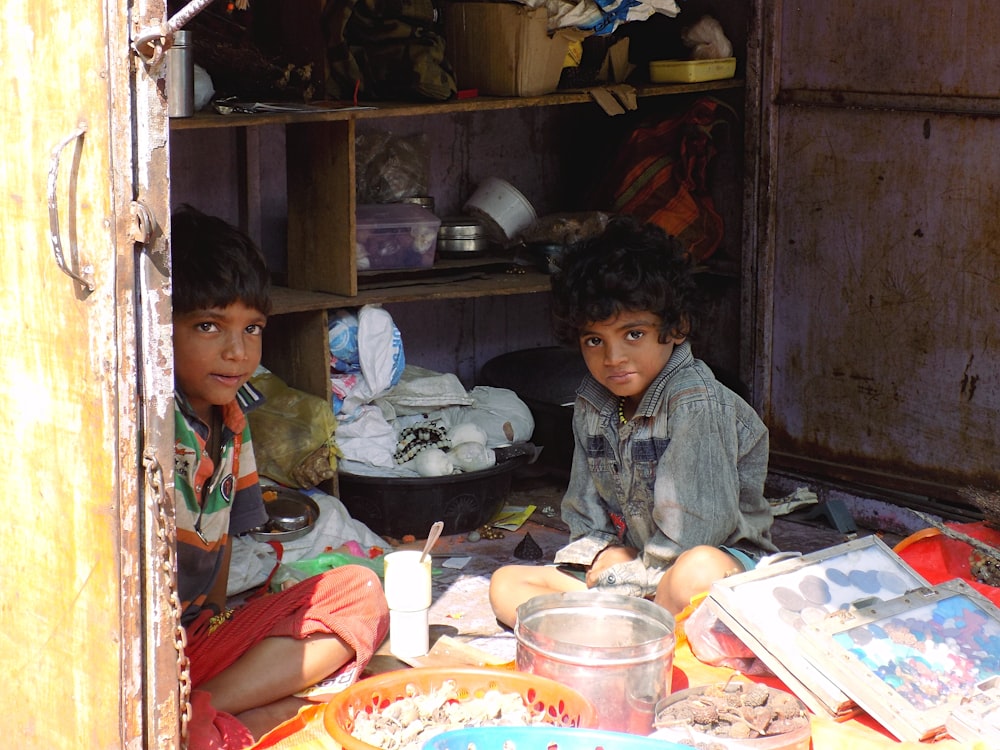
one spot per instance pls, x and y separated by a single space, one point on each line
154 474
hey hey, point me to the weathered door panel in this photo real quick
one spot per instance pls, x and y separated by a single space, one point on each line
889 46
886 344
878 289
71 551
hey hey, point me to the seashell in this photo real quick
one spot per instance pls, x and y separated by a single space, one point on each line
891 582
866 580
527 549
837 577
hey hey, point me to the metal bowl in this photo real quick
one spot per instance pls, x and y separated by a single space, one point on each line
291 515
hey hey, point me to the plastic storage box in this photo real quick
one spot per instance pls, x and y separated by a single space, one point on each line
691 71
395 235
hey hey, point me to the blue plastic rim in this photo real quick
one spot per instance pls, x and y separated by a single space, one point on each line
545 738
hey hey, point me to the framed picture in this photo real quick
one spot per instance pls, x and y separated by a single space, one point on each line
912 661
767 608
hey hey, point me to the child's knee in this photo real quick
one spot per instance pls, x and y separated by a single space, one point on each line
505 576
702 565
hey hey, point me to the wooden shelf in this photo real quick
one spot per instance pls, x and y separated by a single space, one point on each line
447 283
369 110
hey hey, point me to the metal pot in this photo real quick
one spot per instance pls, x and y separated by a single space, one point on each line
461 237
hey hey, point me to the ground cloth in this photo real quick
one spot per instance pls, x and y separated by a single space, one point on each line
306 732
937 558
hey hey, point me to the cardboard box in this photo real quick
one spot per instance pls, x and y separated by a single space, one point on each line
504 49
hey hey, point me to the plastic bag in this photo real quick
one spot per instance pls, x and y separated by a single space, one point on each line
390 167
366 351
293 434
712 642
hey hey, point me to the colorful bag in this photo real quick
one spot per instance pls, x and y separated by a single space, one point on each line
661 175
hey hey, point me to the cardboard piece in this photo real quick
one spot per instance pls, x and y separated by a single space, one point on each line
504 49
616 68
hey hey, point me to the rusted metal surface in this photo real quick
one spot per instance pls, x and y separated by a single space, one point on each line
162 705
895 47
882 358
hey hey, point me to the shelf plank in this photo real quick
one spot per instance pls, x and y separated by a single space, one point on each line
481 284
376 110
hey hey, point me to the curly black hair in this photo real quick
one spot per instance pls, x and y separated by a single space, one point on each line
214 264
629 266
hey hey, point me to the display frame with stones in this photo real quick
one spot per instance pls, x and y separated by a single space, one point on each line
911 661
755 606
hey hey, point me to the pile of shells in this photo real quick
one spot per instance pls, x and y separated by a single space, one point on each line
735 710
408 723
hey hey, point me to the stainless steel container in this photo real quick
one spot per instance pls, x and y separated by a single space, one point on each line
180 76
462 236
618 651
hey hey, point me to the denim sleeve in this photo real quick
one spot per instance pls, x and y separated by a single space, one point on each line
590 526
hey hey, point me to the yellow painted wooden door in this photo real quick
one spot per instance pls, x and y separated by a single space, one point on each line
86 631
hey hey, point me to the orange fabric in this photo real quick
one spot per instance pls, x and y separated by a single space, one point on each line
661 175
346 601
306 731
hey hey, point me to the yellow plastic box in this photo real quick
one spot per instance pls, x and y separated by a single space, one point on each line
691 71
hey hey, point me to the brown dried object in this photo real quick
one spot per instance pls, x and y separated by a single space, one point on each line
735 710
527 549
984 560
984 569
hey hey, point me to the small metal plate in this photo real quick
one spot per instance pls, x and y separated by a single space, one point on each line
292 515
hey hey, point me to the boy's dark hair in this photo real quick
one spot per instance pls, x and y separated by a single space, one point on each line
215 264
629 266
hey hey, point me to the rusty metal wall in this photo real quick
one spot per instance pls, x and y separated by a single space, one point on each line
882 262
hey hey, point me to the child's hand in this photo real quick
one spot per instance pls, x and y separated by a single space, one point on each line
606 558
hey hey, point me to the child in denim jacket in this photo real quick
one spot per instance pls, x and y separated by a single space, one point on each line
666 490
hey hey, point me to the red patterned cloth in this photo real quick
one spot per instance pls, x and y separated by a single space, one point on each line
661 175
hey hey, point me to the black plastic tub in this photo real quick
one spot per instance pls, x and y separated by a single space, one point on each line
397 506
546 380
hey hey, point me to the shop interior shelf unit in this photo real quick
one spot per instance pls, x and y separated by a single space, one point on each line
321 204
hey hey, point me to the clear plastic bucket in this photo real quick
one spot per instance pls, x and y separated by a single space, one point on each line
618 651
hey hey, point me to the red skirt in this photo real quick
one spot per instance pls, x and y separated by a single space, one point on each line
346 601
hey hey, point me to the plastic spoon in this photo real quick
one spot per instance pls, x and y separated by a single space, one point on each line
436 528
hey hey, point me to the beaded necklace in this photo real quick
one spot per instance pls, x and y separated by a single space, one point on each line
621 410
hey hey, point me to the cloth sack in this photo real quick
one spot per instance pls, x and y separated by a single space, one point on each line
386 49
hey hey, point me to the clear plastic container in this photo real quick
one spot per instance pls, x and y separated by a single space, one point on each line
395 235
